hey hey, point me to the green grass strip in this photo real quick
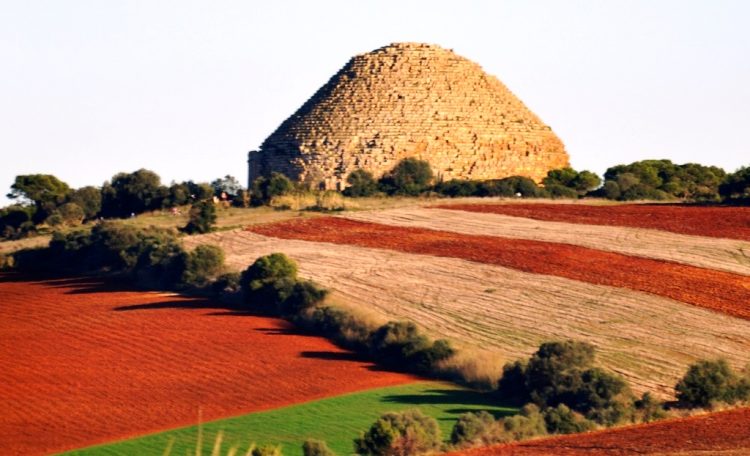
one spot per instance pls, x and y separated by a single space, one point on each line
337 420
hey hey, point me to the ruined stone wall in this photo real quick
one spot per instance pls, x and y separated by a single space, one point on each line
410 100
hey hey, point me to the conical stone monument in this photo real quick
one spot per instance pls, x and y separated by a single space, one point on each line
410 100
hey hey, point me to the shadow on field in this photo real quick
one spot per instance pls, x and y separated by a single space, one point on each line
465 400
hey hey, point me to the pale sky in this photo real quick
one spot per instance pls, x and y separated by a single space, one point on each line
186 88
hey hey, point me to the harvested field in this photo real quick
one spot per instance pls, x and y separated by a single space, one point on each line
647 338
721 433
715 290
713 221
84 362
706 252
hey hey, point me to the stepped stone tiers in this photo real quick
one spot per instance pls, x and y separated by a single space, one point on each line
410 100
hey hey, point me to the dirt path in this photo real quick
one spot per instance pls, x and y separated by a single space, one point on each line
706 252
715 290
648 339
713 221
86 363
723 433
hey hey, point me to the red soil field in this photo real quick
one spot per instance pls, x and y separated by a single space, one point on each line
716 290
725 432
86 362
711 221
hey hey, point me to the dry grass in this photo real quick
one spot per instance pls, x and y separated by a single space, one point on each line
648 339
712 253
28 243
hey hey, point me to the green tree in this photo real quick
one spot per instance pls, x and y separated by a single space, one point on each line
202 217
473 428
400 434
202 264
89 199
265 188
361 184
45 191
410 177
736 185
227 184
132 193
712 381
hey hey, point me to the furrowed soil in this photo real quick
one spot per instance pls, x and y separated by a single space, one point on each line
505 313
713 221
716 290
728 255
721 433
85 361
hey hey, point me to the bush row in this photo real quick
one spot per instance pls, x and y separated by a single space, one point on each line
271 286
153 257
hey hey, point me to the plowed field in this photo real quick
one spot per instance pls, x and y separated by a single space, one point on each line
722 222
507 313
717 290
84 362
730 255
722 433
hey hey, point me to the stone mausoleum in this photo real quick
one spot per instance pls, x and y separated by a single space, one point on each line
410 100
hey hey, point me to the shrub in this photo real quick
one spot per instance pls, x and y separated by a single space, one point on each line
474 428
513 382
662 179
361 183
313 447
265 188
562 420
267 450
560 191
268 282
457 188
712 381
736 185
562 373
554 370
203 264
340 325
89 199
529 423
69 214
569 183
405 433
649 409
400 345
227 283
510 186
303 295
202 217
410 177
16 221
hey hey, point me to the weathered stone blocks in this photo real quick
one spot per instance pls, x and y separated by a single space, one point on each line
410 100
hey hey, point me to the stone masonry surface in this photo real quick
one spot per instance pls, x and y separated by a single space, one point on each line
410 100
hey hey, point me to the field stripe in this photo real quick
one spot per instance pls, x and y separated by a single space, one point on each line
84 362
712 221
715 290
724 433
338 420
705 252
507 313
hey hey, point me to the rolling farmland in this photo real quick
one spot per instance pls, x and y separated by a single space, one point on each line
85 361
